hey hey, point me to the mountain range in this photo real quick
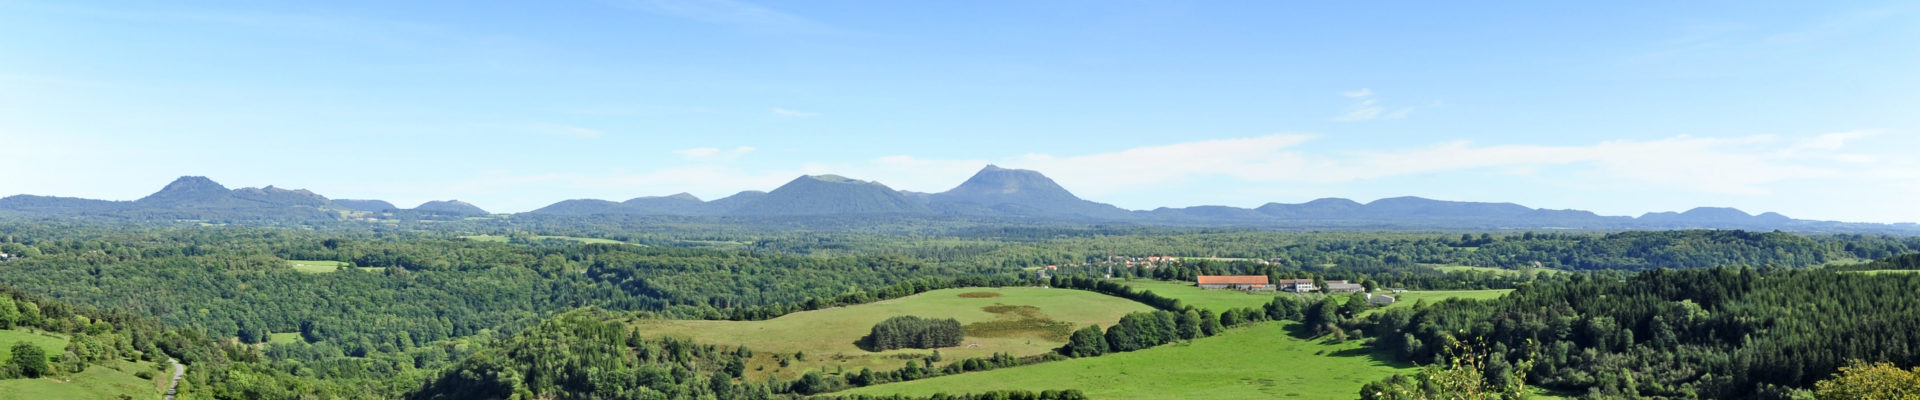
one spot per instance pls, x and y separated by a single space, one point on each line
994 193
196 197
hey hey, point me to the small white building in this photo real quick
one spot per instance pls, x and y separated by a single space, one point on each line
1296 285
1344 287
1379 299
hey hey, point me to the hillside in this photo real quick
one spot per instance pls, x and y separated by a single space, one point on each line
832 195
451 207
993 194
1019 192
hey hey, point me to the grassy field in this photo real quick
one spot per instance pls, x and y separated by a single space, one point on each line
1885 271
1017 321
322 266
1501 271
8 337
1431 296
1216 300
284 337
97 382
1265 361
503 239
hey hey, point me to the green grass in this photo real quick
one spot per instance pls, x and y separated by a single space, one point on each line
284 337
1884 271
1407 299
503 239
1501 271
322 266
1264 361
1210 299
1218 300
1029 321
53 345
97 382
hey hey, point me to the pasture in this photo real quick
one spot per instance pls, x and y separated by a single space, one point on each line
53 345
1018 321
1491 270
1218 300
1884 271
97 382
322 266
1408 299
1263 361
503 239
1209 299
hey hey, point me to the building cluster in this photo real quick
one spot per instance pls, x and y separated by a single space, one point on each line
1260 283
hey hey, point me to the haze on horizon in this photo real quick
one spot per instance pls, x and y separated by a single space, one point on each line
1621 109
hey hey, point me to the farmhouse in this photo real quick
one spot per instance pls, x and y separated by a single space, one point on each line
1235 282
1344 287
1296 285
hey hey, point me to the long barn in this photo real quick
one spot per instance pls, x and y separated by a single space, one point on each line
1235 282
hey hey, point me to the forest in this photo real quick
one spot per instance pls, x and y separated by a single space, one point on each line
413 306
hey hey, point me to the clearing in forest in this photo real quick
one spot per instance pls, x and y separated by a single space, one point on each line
1019 321
322 266
503 239
1264 361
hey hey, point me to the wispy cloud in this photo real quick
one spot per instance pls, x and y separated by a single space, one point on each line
728 12
794 113
1369 108
714 153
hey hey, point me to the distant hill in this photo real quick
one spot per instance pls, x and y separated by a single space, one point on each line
1002 191
451 207
366 205
832 195
994 193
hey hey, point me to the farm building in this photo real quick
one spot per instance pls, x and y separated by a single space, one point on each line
1235 282
1344 287
1379 299
1296 285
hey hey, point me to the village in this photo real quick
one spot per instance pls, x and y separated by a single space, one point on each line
1129 267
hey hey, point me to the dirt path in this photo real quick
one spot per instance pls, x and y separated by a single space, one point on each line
178 370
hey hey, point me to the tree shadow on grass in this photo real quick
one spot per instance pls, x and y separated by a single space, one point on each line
1376 355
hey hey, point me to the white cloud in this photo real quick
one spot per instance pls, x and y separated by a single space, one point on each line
794 113
714 153
728 12
1369 108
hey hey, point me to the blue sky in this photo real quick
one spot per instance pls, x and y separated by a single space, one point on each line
1805 108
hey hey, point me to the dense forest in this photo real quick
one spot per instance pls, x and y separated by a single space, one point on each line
1730 332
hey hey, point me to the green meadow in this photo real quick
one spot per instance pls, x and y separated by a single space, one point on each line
53 345
503 239
1408 299
97 382
1210 299
322 266
1017 321
1264 361
1217 300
